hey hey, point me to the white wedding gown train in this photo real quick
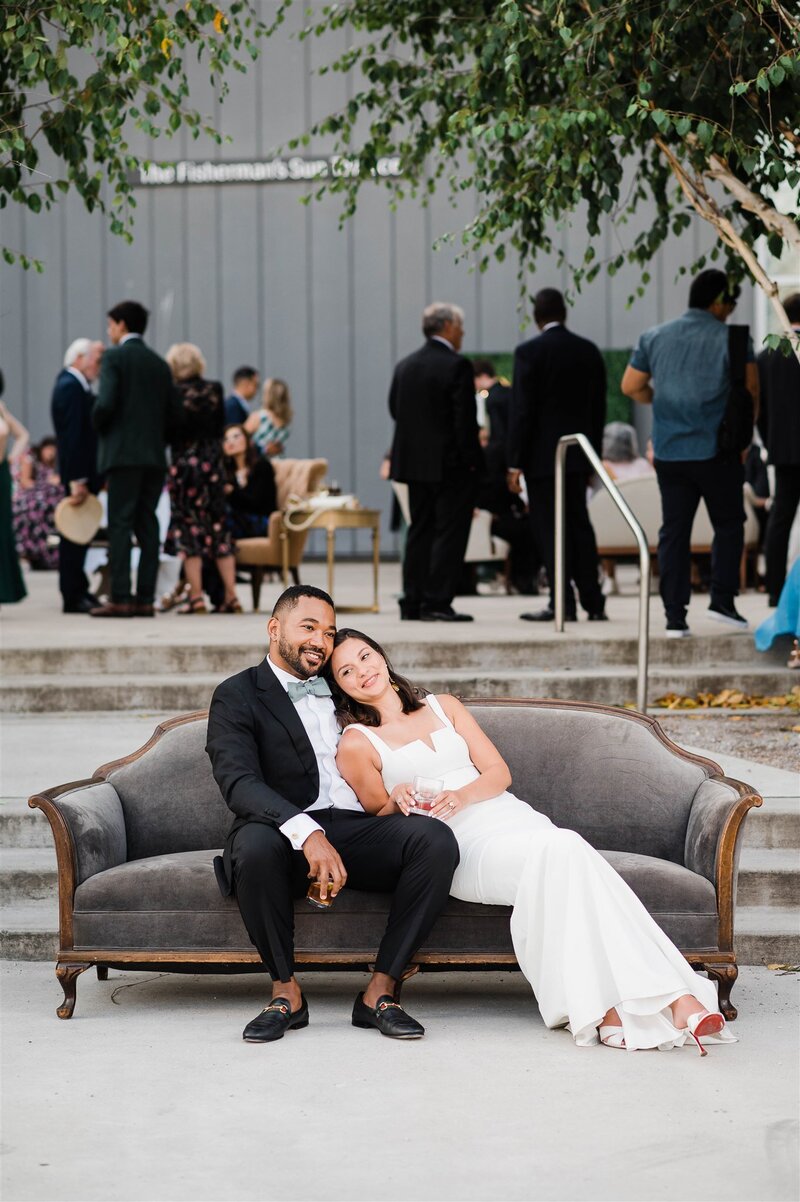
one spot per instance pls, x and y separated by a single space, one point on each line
581 936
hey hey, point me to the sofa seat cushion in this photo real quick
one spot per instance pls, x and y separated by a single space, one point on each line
683 903
172 902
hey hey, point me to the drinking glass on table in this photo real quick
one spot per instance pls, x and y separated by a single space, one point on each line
425 790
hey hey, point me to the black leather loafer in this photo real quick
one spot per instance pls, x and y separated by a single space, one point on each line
388 1017
275 1020
443 615
547 615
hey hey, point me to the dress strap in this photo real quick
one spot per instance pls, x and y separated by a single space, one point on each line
436 705
376 741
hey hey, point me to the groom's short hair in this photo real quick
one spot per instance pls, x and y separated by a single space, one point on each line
290 597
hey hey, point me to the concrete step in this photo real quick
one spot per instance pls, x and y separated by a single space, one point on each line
767 934
465 653
27 874
776 824
764 934
21 826
29 931
769 877
184 691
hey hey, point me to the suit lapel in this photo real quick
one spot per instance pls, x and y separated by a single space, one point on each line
272 695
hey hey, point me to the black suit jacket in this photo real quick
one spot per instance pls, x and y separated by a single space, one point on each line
432 400
779 415
76 441
261 756
138 409
559 388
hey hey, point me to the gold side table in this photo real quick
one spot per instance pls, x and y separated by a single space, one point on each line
332 520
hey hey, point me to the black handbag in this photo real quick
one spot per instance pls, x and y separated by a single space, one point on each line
736 428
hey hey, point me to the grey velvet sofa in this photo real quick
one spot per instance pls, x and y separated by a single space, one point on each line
135 846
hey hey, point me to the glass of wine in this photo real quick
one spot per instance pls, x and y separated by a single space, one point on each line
425 790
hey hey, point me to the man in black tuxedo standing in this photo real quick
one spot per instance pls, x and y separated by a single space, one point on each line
436 451
559 388
272 740
136 411
76 444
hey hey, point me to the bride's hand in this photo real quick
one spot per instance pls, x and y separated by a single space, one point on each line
402 797
446 805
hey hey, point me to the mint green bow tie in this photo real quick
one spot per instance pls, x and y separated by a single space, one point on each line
308 688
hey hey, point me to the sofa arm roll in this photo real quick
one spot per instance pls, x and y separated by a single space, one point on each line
714 806
88 826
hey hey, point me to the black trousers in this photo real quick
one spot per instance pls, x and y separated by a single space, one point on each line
682 484
133 494
72 580
413 858
441 515
779 527
580 545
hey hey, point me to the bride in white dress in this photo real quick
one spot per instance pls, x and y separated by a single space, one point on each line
597 961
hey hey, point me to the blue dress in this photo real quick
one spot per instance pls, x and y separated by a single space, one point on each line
786 618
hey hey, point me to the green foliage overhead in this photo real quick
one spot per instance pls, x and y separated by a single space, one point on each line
76 76
538 108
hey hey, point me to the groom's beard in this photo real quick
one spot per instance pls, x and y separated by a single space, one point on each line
305 660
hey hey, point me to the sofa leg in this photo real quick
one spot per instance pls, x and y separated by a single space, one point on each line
725 975
68 975
102 972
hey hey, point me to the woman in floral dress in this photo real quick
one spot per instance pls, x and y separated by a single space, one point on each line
37 491
198 528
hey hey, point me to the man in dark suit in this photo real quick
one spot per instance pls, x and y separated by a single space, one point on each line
509 514
245 387
272 739
779 424
136 410
559 388
76 444
436 452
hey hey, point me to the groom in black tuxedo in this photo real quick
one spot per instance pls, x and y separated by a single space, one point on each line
272 739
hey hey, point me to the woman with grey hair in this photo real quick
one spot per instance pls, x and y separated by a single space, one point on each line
621 457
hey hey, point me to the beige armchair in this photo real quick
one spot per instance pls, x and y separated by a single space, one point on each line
293 477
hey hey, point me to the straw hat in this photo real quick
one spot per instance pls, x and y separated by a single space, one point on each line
79 523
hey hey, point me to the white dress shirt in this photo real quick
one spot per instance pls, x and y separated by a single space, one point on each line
444 341
317 716
80 377
127 338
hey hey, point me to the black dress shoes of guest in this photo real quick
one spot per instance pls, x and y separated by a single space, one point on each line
113 609
84 606
547 615
388 1017
600 616
409 611
445 614
275 1020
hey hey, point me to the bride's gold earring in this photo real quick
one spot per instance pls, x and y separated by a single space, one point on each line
395 686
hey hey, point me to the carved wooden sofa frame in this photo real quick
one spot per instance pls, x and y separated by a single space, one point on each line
668 820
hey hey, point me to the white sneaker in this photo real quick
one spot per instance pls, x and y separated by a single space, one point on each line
676 631
728 615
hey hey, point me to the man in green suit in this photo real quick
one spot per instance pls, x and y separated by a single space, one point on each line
136 411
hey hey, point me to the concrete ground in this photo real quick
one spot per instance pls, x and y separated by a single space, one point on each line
149 1093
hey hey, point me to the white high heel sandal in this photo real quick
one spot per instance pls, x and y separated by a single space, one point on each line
704 1023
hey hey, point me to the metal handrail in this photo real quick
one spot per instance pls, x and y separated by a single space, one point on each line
644 552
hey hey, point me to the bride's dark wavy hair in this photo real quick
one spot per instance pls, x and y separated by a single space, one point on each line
348 710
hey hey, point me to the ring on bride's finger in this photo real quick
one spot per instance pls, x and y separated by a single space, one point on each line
452 805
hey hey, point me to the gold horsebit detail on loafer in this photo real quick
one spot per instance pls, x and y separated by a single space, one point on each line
386 1005
275 1010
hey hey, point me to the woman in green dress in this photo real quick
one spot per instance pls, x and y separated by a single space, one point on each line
12 586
